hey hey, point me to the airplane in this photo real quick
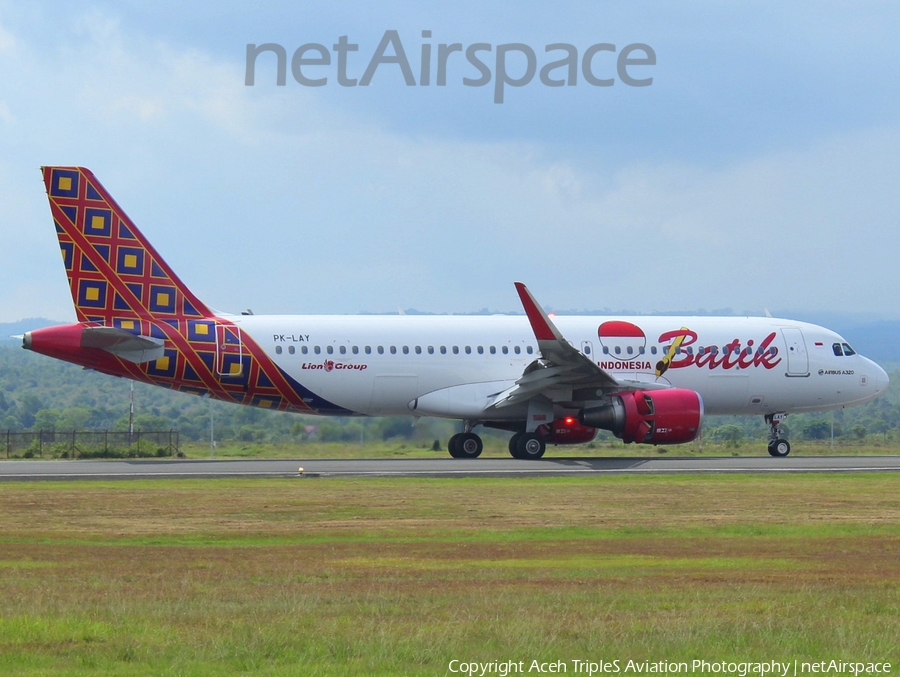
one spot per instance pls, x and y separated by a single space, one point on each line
547 380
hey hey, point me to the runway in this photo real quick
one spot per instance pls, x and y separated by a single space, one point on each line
433 467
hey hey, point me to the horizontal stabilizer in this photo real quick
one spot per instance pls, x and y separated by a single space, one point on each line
123 344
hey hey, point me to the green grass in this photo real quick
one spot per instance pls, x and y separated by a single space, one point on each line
378 576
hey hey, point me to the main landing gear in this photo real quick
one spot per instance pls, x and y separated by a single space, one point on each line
527 446
778 446
465 445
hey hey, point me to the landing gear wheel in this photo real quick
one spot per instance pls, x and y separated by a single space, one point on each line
779 448
468 445
453 445
530 447
514 444
465 445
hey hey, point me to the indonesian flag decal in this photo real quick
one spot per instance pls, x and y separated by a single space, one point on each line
622 335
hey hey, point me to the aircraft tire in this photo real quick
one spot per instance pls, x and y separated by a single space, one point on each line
453 445
514 445
468 445
530 447
779 448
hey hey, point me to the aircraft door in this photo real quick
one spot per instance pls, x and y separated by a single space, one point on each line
797 358
229 351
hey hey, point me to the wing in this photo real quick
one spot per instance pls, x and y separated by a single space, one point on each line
563 372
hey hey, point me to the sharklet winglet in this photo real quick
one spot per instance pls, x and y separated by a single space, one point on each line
543 327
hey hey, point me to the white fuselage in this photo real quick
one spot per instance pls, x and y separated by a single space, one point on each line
394 365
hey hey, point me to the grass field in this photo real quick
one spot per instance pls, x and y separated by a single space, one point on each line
370 576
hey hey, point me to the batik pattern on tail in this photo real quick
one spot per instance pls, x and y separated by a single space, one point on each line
117 279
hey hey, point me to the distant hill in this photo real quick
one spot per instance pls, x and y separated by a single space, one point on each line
879 341
10 329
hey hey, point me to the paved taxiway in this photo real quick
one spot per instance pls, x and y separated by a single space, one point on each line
435 467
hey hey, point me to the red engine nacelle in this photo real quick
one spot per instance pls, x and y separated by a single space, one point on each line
566 431
649 417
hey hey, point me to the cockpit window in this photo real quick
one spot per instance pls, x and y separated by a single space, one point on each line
848 350
836 347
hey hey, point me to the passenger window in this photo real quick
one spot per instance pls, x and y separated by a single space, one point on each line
431 350
468 350
456 350
505 350
329 350
629 350
606 350
278 350
406 350
304 349
618 350
641 350
653 349
480 350
380 350
493 350
443 350
393 350
517 350
317 350
587 350
418 350
355 350
368 350
343 350
292 350
848 350
529 350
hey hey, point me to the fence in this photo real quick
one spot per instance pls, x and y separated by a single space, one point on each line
90 443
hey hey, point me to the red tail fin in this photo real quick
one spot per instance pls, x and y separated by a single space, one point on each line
114 273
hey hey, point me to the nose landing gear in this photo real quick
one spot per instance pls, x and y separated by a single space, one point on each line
778 446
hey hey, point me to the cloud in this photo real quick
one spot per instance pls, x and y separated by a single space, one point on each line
289 200
7 40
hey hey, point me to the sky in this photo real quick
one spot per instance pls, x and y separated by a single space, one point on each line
759 169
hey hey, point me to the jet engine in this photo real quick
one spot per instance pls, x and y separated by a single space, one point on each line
649 417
